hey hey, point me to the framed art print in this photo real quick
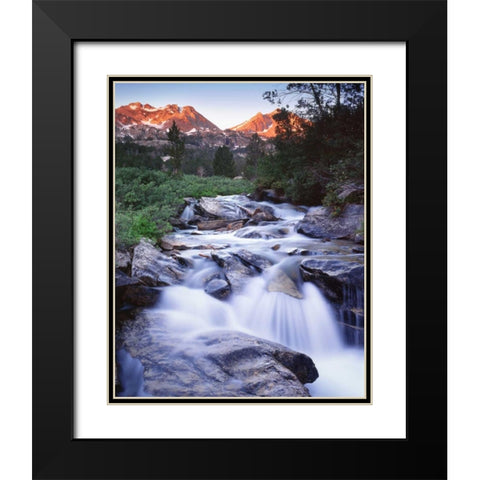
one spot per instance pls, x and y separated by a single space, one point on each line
260 225
232 239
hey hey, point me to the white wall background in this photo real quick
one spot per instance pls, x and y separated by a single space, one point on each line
464 328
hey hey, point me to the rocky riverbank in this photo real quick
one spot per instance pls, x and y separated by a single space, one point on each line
194 335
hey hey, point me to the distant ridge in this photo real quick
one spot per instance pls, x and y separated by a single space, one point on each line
262 123
187 118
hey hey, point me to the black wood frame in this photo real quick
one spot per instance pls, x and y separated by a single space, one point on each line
57 25
367 398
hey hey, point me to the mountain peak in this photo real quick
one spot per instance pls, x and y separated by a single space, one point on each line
262 124
187 118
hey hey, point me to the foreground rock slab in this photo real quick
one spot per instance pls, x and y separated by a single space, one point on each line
215 364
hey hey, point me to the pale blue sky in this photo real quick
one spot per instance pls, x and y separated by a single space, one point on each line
224 104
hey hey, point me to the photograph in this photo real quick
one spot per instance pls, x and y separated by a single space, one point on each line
239 239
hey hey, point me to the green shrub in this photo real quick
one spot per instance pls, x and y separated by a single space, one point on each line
146 199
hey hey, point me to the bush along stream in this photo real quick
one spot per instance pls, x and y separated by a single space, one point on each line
245 297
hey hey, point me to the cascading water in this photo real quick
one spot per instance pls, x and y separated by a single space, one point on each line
301 319
130 374
305 324
187 214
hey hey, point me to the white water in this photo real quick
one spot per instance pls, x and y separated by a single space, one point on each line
187 214
305 324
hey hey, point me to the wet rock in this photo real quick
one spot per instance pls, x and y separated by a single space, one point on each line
189 200
299 251
263 214
211 246
218 288
359 238
320 223
253 260
252 232
216 364
154 268
220 208
259 207
184 261
139 295
358 250
122 279
123 261
281 282
236 272
335 278
233 226
178 223
269 195
169 244
276 247
220 224
132 291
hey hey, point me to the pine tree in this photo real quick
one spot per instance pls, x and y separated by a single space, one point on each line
176 149
255 151
223 163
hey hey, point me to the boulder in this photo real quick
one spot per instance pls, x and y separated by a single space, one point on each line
123 261
335 278
139 296
220 224
154 268
236 272
259 213
281 282
122 279
253 260
220 208
218 288
184 261
179 223
319 222
131 291
169 244
269 195
231 227
265 234
215 364
262 216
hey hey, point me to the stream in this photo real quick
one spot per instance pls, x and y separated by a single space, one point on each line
288 311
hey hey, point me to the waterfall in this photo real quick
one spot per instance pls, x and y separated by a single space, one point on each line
294 313
130 374
307 325
351 315
187 214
